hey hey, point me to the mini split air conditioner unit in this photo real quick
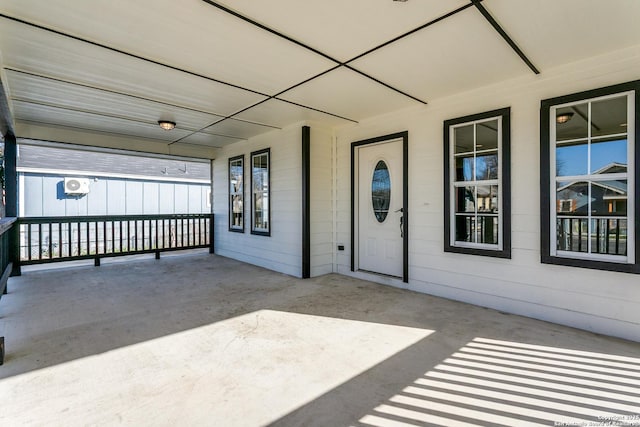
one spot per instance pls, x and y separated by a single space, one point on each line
76 186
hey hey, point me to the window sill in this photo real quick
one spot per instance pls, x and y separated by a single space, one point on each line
591 264
494 253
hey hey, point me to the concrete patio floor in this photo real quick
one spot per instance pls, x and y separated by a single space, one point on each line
202 340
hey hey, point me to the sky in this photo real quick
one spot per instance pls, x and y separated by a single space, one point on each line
572 160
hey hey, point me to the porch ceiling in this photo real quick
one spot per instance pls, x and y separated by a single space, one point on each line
228 71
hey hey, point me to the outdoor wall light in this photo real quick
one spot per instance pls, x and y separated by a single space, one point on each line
166 124
564 117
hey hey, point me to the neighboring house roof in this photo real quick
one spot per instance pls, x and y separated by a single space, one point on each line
613 190
46 159
613 185
613 167
619 187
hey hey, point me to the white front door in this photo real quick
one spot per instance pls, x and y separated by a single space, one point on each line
380 202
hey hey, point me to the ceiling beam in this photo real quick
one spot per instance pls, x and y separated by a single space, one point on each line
504 35
408 33
232 116
268 29
346 63
309 48
6 119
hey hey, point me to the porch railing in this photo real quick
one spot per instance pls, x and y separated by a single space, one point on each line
6 227
6 266
66 238
608 234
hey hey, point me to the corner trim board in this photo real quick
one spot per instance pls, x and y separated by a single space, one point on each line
306 202
504 35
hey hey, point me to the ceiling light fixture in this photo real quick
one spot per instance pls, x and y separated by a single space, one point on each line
564 117
166 124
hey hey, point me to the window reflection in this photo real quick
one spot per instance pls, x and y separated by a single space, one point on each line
465 199
477 229
609 198
609 116
236 193
609 156
572 160
592 158
477 182
605 203
487 167
572 122
464 168
487 135
260 191
463 138
609 236
487 198
572 197
381 191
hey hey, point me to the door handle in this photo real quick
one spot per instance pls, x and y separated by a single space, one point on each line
401 210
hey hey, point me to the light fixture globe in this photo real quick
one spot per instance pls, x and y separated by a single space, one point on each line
564 117
166 124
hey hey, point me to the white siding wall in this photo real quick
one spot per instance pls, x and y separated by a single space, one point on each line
282 250
321 201
605 302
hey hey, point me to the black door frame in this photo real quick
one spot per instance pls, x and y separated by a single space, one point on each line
405 195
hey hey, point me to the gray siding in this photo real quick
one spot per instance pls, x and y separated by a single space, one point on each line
134 191
181 203
151 198
43 195
98 205
116 197
166 198
41 157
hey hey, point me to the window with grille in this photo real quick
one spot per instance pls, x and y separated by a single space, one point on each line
477 184
589 171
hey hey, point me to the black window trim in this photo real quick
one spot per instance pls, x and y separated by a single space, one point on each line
545 180
251 156
505 168
236 229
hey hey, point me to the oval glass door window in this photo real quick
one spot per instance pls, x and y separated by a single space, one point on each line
381 191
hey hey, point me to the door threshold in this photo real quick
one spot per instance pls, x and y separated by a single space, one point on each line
391 276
